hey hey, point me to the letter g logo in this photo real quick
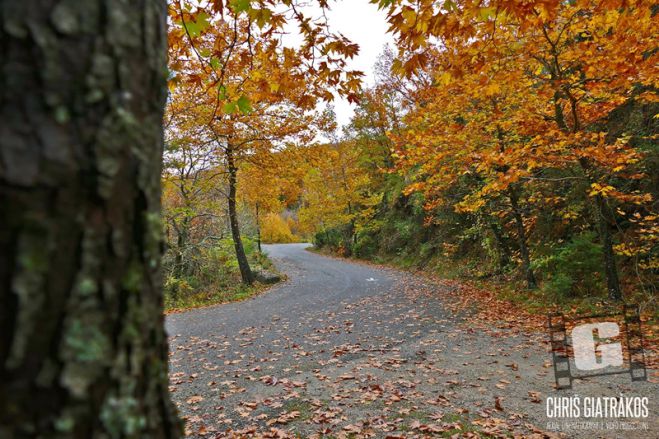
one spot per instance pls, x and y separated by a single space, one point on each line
583 341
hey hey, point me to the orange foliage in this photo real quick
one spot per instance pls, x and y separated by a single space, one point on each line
276 230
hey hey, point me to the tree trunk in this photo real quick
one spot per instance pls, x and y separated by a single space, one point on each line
243 263
258 229
531 283
610 269
181 243
83 351
502 248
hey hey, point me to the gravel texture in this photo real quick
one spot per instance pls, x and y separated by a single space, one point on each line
344 349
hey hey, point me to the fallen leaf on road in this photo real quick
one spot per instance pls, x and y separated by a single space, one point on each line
497 403
195 399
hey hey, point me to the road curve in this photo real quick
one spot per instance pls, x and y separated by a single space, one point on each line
315 282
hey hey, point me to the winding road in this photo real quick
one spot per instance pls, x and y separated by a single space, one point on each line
316 283
345 349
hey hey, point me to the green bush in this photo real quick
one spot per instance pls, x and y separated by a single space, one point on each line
366 246
211 274
329 238
176 288
404 229
574 268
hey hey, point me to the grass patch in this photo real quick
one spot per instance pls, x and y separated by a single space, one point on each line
465 424
305 408
425 419
203 299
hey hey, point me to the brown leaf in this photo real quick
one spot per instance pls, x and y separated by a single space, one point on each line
535 397
195 399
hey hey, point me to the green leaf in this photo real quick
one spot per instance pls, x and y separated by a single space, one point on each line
244 105
222 91
382 4
450 6
261 16
239 6
487 13
198 24
230 107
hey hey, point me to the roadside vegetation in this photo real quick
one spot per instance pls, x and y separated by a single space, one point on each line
211 275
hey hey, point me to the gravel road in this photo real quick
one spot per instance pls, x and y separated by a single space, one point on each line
344 349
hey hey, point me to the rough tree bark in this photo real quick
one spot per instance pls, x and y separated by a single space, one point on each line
83 350
243 263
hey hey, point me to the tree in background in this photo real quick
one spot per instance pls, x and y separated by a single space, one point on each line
336 192
261 192
277 230
465 135
193 179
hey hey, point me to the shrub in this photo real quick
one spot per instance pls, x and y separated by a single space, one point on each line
366 245
176 288
574 268
212 274
330 238
276 230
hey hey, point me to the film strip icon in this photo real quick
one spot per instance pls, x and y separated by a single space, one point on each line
634 334
559 351
560 347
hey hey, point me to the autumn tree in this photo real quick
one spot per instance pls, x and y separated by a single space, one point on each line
543 81
193 200
261 194
585 69
336 191
276 229
380 112
465 134
253 94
